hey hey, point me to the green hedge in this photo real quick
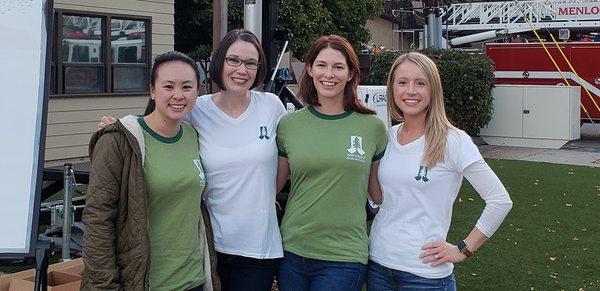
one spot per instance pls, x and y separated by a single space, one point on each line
468 80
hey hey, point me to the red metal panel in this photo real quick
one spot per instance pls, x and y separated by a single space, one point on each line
521 57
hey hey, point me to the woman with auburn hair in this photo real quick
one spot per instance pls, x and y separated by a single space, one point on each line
420 176
332 149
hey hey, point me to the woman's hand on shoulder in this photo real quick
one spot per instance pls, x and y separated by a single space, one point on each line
105 121
437 253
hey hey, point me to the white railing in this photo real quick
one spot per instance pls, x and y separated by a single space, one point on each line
496 15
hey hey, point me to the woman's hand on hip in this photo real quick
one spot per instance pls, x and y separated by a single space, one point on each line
437 253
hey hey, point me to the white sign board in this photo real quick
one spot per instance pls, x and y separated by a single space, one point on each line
577 11
23 45
375 97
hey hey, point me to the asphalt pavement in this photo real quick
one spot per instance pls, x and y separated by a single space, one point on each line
582 152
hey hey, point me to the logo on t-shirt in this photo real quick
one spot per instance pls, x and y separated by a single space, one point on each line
200 170
263 133
356 152
421 176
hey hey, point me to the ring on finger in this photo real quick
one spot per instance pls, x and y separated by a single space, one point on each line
436 256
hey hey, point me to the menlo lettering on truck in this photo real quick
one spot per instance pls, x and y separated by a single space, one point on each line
572 11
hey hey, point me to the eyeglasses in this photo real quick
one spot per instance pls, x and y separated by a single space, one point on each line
236 62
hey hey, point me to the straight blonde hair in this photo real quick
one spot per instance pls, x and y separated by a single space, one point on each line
437 124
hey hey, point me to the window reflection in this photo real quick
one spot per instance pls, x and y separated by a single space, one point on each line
128 79
100 54
128 41
82 39
83 79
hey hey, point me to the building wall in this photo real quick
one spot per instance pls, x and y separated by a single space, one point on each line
73 120
385 33
382 33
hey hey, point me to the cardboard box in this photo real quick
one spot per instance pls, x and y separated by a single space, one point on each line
75 270
74 267
57 281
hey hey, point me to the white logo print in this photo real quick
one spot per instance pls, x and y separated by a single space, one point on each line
200 170
355 151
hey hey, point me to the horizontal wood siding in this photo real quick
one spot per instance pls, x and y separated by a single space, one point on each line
73 120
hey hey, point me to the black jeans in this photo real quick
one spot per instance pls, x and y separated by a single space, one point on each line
239 273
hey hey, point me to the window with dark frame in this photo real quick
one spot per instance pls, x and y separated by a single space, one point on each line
100 54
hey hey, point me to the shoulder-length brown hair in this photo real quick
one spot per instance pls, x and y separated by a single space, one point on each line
437 124
308 92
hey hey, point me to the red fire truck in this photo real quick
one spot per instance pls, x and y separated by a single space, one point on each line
529 64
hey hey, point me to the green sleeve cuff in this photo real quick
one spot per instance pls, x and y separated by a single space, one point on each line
378 157
282 153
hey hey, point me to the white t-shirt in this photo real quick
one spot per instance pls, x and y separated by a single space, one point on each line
239 156
417 202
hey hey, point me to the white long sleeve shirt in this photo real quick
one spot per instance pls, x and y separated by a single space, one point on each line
417 201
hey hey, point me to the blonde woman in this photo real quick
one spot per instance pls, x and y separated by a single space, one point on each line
420 176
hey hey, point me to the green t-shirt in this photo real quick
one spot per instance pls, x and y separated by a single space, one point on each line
174 184
330 159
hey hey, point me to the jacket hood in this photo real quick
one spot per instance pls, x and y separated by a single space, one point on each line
127 126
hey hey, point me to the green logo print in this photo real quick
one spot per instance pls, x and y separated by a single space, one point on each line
420 175
263 133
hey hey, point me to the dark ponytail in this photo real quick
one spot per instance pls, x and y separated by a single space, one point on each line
172 56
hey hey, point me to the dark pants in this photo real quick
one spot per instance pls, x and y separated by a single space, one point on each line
298 273
239 273
385 279
197 288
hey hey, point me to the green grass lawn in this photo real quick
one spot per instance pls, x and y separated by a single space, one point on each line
549 241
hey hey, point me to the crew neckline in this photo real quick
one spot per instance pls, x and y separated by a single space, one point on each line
157 136
318 114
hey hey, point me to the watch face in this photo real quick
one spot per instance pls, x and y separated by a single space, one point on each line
461 246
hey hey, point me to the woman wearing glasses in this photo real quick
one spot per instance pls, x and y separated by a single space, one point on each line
236 133
237 145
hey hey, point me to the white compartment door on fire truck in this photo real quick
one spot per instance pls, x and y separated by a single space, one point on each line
375 97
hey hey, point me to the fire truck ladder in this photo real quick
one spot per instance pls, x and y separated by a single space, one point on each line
485 16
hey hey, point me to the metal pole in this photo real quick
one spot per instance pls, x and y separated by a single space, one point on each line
67 211
431 31
271 81
439 35
253 16
224 18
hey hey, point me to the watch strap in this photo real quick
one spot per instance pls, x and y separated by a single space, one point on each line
463 248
